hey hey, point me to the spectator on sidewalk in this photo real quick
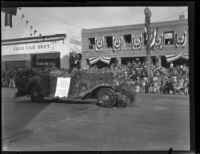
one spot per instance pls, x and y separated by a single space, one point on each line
12 80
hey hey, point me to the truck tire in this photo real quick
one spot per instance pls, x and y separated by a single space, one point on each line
106 97
35 94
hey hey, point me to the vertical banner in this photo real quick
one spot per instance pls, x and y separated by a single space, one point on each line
9 12
8 20
62 87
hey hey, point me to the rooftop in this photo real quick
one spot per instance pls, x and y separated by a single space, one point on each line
137 26
34 39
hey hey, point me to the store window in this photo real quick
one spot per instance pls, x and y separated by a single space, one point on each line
169 38
109 42
91 43
127 39
45 60
15 64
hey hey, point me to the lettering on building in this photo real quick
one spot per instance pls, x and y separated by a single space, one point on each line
31 47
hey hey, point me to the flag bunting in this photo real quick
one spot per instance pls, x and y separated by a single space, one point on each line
94 60
173 57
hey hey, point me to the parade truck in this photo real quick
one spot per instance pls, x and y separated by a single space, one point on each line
79 86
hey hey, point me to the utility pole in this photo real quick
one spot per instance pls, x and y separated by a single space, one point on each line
147 13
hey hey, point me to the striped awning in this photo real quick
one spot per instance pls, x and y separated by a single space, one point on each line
96 59
173 57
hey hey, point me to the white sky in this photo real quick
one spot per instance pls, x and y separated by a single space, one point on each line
56 20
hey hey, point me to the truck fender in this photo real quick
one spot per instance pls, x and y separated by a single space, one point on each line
91 93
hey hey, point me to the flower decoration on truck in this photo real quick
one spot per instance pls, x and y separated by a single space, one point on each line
116 44
99 44
137 43
180 41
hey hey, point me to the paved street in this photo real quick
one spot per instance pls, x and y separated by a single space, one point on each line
154 122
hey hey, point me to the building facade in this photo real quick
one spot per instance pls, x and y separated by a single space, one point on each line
42 51
122 44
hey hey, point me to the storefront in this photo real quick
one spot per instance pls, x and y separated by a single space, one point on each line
15 61
34 52
127 60
45 60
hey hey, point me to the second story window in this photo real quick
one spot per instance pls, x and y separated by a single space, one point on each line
127 39
169 38
91 43
109 42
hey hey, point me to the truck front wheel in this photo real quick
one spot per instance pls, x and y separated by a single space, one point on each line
106 97
35 94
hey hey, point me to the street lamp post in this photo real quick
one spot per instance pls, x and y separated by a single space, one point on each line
147 13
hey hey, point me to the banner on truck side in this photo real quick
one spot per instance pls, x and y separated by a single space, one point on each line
62 87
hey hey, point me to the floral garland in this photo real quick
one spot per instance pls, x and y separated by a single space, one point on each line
180 41
136 43
159 43
99 45
116 44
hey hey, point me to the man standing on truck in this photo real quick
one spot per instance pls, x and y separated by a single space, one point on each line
74 61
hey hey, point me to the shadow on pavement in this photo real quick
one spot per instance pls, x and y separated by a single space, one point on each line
17 113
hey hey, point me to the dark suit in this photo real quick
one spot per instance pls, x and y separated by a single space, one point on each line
74 61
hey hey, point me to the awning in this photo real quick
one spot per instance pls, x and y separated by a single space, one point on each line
96 59
173 57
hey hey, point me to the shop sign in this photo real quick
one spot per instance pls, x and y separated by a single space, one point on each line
45 63
73 41
168 35
31 48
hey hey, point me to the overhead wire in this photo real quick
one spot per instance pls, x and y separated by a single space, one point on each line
174 15
47 16
41 13
56 18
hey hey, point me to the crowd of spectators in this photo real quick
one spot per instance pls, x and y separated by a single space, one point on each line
173 80
162 80
8 77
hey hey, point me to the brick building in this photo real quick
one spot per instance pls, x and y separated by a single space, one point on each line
123 44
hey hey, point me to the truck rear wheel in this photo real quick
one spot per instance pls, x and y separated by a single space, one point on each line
106 97
35 94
